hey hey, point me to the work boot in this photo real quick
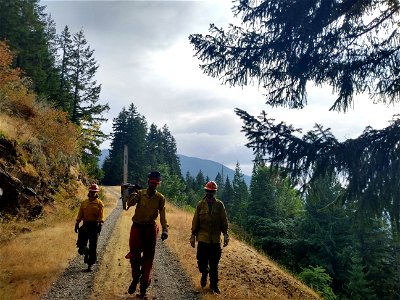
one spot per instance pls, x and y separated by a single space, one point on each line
203 280
132 287
142 292
89 268
215 288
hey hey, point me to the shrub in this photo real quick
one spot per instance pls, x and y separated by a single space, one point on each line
319 280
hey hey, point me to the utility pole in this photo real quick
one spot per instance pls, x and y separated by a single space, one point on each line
124 190
125 177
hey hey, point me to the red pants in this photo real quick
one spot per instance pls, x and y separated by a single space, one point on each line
142 246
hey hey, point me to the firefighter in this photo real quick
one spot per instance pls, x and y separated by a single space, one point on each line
144 230
209 221
91 212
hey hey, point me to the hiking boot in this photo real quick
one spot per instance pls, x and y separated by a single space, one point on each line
132 286
89 268
203 280
142 293
215 289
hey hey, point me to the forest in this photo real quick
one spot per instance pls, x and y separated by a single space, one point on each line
325 210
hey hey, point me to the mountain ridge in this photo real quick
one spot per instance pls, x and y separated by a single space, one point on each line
193 165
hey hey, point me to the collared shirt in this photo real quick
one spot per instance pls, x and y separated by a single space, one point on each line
148 208
207 223
91 211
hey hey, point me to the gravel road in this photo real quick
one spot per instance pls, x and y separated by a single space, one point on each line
168 279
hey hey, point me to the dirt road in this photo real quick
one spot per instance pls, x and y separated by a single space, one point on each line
111 275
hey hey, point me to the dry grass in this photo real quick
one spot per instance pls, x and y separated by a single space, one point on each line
36 253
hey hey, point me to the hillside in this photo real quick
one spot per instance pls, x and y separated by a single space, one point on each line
39 160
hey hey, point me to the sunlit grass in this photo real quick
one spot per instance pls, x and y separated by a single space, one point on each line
36 253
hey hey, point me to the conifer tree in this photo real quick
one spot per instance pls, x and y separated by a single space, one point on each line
65 101
170 151
135 139
219 181
86 91
113 164
227 197
240 196
154 147
200 181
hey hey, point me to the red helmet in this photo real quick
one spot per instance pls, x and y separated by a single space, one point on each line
94 188
211 186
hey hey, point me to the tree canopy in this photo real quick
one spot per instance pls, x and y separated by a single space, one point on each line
283 45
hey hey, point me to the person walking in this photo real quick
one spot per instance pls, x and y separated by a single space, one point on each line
209 221
91 212
144 230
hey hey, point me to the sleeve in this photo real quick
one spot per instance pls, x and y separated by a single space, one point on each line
224 220
195 222
133 199
80 214
163 217
101 212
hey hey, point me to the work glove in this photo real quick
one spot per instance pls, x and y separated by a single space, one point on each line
99 227
164 235
226 239
76 227
193 240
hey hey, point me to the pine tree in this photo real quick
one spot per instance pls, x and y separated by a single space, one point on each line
240 196
200 181
227 197
220 183
65 102
113 165
154 147
86 91
170 151
135 139
281 46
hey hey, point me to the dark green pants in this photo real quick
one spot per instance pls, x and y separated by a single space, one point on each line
88 233
208 256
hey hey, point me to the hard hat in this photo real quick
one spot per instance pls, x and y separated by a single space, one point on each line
211 186
154 176
94 188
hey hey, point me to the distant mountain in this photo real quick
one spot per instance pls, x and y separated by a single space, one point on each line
193 165
208 167
103 155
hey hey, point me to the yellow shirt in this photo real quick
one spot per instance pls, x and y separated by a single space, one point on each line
91 211
148 208
208 224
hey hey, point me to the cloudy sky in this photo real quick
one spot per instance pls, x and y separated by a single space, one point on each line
145 58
